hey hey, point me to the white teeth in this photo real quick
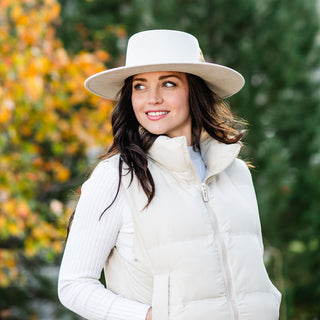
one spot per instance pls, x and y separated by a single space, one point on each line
157 113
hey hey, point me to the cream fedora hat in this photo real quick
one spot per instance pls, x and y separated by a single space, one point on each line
165 50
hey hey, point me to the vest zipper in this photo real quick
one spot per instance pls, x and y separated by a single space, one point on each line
204 192
222 253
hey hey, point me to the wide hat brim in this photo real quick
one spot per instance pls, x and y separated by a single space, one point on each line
220 79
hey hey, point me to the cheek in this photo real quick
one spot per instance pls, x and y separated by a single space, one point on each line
137 104
183 103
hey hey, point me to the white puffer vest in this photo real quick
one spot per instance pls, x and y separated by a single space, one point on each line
198 247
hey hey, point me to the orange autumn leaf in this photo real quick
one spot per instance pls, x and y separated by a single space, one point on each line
102 55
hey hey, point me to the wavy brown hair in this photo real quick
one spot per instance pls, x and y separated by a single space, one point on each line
208 111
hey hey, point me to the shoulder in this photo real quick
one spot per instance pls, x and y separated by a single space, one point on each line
100 190
106 173
107 167
240 175
239 169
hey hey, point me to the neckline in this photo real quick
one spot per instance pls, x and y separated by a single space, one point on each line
194 155
173 155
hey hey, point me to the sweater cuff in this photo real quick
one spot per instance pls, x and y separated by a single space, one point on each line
125 309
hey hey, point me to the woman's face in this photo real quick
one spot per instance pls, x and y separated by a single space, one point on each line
160 103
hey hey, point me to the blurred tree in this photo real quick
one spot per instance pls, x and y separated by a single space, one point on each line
49 131
92 25
274 44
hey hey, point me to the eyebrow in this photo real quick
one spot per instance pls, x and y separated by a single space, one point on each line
160 78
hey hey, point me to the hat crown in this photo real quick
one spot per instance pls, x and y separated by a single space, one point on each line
165 50
162 47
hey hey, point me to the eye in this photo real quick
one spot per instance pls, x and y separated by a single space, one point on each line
169 84
139 86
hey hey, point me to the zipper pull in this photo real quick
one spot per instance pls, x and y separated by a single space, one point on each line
204 192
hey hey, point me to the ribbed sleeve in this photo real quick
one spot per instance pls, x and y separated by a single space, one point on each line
88 247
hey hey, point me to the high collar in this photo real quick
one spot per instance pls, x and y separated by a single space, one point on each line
173 155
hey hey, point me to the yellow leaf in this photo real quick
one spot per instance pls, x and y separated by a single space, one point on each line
9 206
6 108
13 229
30 249
3 222
62 173
16 12
57 247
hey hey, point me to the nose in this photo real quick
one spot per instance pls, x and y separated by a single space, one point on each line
155 96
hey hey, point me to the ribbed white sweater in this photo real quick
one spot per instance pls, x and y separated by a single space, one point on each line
90 242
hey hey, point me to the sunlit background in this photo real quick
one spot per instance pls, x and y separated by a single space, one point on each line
52 131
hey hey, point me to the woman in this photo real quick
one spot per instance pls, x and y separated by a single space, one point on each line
170 213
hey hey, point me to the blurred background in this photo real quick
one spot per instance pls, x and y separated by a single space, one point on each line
52 130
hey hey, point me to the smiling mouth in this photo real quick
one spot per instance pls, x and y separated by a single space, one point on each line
156 115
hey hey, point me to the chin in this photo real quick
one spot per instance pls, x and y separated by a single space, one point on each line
156 132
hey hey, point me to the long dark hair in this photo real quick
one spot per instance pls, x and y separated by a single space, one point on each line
132 142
